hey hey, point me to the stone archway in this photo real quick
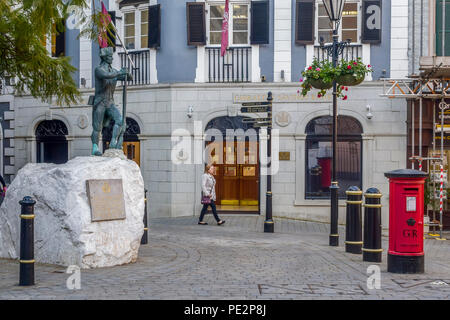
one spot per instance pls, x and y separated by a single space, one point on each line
51 142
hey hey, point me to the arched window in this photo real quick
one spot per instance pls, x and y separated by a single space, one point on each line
51 142
131 144
319 156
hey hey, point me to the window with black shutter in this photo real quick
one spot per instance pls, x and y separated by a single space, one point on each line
259 22
112 33
304 21
154 26
195 18
59 39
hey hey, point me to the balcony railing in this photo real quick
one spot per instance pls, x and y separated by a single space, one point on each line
350 52
234 66
141 70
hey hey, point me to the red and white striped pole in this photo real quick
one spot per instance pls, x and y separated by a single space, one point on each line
441 193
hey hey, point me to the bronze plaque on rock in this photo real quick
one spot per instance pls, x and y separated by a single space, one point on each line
106 199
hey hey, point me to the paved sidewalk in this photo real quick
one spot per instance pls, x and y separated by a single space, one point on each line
238 261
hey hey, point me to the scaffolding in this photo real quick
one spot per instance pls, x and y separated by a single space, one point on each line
432 83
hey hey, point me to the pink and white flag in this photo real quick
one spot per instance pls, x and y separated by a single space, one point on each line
103 34
224 46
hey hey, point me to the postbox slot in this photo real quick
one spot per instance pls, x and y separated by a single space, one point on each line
412 189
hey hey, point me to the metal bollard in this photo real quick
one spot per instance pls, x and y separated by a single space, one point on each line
372 250
353 227
26 276
144 239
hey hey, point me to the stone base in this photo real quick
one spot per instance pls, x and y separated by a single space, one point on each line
64 232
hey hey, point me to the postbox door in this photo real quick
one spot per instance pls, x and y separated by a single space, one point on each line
409 224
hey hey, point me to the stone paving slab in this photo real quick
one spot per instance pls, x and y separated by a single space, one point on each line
184 260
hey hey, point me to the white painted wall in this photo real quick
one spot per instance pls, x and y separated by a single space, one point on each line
282 39
399 39
86 56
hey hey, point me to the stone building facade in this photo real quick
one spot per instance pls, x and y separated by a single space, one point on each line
178 98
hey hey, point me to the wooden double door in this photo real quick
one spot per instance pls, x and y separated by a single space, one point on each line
132 151
237 175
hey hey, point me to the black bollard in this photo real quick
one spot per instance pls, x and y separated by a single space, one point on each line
353 227
144 239
372 250
26 276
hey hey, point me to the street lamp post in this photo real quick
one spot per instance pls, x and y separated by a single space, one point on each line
334 10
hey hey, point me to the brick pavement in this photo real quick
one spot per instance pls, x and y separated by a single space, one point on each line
238 261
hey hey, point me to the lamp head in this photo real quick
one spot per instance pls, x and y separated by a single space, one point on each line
334 9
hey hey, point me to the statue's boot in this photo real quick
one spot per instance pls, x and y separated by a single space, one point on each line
95 150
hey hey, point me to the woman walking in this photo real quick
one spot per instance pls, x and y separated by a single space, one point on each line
209 195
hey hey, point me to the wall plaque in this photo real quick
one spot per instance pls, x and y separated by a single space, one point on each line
106 199
286 156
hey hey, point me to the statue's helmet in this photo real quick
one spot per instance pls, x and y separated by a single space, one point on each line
108 51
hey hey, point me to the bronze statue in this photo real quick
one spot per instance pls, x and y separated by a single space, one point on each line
104 110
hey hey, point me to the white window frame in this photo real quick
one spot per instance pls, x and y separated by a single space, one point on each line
230 22
358 21
137 24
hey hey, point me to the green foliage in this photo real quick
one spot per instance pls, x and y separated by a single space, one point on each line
24 27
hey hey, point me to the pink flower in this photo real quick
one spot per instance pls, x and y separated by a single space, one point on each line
369 66
345 98
346 88
298 91
319 95
349 67
355 63
301 80
318 69
310 68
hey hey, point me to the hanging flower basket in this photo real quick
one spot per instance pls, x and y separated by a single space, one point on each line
319 75
320 84
352 73
349 79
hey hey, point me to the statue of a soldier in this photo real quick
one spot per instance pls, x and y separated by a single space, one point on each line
104 110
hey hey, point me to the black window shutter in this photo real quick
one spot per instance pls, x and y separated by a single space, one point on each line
304 21
195 19
112 35
154 26
371 21
259 22
60 45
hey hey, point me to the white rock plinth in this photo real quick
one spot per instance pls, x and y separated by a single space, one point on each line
64 234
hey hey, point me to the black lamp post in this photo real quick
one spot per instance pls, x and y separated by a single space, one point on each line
334 10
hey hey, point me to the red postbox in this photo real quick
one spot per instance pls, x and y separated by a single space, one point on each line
406 206
325 164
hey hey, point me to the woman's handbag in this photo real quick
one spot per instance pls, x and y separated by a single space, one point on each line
206 199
